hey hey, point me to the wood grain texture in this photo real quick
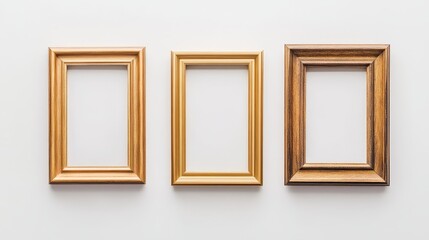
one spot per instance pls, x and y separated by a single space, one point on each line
179 62
59 60
375 58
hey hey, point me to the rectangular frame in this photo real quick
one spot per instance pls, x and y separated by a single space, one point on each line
59 60
376 60
179 62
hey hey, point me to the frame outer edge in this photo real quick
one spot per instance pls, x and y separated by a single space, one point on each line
174 178
142 122
286 69
387 62
261 115
51 101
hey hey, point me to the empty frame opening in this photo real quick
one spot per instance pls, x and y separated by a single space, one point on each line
97 116
217 118
335 115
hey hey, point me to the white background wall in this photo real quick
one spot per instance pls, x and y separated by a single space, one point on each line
30 208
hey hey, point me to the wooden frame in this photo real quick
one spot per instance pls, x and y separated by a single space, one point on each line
179 62
376 60
59 60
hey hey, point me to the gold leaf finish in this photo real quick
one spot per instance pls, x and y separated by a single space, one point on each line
59 60
179 62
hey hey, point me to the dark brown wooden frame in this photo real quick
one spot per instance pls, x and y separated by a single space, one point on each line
376 60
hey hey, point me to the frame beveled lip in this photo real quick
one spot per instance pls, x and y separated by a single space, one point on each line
253 60
375 57
59 59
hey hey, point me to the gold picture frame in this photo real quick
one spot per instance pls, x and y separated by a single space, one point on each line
375 58
59 60
179 62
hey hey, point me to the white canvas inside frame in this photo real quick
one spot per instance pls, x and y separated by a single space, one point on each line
97 116
217 118
335 115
